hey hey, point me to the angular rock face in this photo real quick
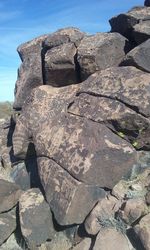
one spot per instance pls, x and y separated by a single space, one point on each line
7 225
60 64
35 218
100 51
30 71
125 24
139 57
9 195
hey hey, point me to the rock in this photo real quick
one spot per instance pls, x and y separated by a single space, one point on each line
9 195
30 72
147 198
125 23
133 209
7 225
143 231
35 218
85 244
63 193
60 51
139 57
11 244
20 176
60 68
110 238
147 3
124 88
99 52
60 241
141 31
104 210
120 190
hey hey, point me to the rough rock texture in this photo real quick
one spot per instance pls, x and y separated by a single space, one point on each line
143 231
30 71
83 245
35 218
104 210
99 52
112 239
9 195
60 64
126 22
139 57
7 225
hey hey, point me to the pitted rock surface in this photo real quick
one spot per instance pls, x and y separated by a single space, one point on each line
99 52
35 218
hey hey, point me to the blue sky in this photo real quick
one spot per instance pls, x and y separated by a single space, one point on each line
22 20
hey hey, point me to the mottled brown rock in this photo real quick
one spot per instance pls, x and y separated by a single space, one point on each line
110 238
104 210
7 225
139 57
99 52
35 218
143 231
125 88
64 193
9 195
59 66
30 71
133 209
124 23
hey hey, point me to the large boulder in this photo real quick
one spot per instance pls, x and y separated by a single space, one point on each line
139 57
35 218
137 18
100 51
60 64
30 72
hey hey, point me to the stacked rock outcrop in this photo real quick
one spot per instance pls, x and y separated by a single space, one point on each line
75 161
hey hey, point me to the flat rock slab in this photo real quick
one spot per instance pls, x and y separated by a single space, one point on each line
110 238
35 218
7 225
99 52
9 195
64 193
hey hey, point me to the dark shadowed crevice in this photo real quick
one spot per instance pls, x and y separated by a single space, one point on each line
135 241
43 53
77 69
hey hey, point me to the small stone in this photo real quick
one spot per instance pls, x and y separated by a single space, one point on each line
103 211
133 210
143 231
35 218
111 239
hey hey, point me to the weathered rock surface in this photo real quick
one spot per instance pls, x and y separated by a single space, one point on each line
143 231
112 239
35 218
141 31
118 92
9 195
99 52
60 63
139 57
11 244
30 72
83 245
7 225
124 24
103 212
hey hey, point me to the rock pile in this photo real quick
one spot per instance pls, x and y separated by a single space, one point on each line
75 161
